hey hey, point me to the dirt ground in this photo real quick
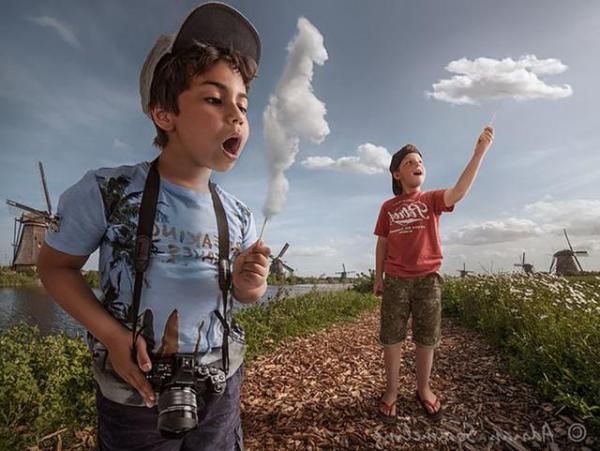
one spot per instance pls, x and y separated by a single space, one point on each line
321 392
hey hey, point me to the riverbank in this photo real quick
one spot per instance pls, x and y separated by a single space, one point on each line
10 278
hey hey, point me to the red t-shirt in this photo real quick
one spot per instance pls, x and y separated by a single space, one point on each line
410 222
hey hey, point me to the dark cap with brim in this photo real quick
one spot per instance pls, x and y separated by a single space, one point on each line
395 163
212 23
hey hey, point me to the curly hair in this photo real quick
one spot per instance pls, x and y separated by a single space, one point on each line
175 71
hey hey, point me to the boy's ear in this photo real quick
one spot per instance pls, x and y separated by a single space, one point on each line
396 175
163 118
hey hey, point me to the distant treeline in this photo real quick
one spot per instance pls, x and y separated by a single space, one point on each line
11 278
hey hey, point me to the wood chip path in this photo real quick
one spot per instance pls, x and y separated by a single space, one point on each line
321 392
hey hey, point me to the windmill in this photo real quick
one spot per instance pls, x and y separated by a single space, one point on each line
463 272
30 229
344 274
565 261
527 267
278 267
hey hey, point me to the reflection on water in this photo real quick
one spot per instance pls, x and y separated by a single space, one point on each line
33 306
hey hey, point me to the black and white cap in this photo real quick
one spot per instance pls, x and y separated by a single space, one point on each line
213 23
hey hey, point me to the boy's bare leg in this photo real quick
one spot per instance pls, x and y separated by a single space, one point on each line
391 358
424 364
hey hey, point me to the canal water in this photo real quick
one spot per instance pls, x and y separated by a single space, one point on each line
33 306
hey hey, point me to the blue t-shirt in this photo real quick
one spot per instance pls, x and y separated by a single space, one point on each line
181 290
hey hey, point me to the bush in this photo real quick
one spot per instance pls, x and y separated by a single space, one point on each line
364 283
11 278
92 278
46 384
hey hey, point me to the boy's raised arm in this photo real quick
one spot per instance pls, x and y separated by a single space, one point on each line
61 275
460 190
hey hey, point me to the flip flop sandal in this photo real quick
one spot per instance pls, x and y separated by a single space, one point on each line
433 414
385 411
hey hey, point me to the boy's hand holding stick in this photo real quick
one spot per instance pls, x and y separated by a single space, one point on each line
250 272
484 141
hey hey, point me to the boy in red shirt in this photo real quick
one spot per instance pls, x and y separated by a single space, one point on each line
409 253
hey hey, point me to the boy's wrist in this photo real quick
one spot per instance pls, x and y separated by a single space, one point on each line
480 152
115 336
249 294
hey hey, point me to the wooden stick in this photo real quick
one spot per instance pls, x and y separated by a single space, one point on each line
494 115
262 229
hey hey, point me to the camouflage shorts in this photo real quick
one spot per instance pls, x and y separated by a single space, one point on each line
419 296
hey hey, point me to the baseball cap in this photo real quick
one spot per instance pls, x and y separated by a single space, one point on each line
396 160
213 23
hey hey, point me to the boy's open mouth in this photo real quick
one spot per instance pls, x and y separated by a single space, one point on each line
418 173
231 147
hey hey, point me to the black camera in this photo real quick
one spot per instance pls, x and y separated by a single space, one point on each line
184 387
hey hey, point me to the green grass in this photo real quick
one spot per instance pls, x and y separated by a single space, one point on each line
270 324
547 325
10 278
46 383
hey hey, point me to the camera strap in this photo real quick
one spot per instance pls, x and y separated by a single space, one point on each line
143 246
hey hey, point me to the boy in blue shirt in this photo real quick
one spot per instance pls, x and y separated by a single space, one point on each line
193 86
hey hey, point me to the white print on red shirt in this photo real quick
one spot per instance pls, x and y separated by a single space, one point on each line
406 215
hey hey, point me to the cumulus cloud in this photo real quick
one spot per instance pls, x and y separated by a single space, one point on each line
580 217
487 78
312 251
490 232
294 113
371 159
63 30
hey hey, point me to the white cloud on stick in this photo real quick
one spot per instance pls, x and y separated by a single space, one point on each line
371 159
294 113
63 30
487 78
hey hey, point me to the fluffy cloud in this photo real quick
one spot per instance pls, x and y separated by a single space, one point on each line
579 216
294 113
490 232
497 79
63 30
547 217
371 159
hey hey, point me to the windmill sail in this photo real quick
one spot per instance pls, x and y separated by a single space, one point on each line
45 187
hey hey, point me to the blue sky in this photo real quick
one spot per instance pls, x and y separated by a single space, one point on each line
69 97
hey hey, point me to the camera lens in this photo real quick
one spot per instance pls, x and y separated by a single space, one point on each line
177 412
